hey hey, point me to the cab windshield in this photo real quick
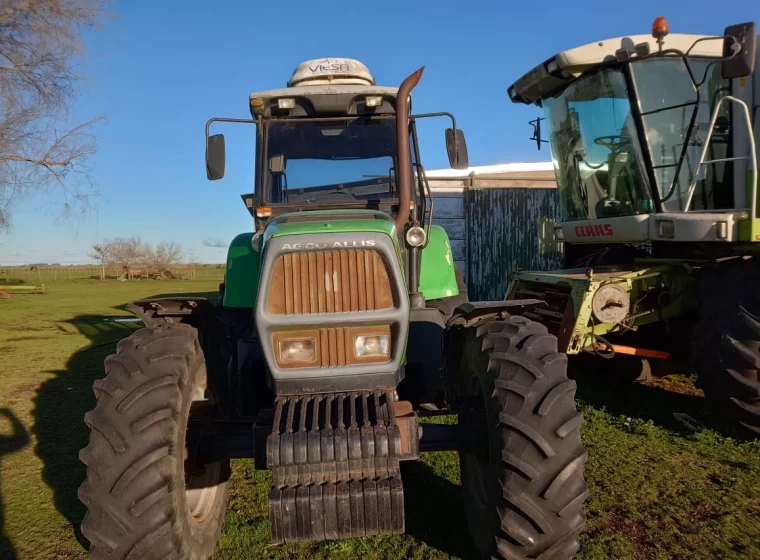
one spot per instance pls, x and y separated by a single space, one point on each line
595 149
595 145
329 161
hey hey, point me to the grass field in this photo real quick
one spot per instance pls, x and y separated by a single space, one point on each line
656 491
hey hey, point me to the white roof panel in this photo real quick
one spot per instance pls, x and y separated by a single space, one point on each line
335 89
580 59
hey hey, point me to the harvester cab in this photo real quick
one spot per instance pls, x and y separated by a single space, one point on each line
652 137
340 323
653 141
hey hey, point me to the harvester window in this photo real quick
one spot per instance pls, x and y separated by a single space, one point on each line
331 161
595 149
668 98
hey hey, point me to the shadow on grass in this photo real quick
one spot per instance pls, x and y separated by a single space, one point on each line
600 386
15 441
435 511
62 402
60 406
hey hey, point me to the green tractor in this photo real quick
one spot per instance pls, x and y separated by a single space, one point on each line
341 322
653 143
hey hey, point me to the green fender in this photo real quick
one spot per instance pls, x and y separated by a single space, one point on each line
241 281
437 275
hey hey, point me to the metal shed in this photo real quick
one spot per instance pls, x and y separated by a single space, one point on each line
498 218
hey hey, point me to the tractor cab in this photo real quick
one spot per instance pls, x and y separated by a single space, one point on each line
651 136
329 140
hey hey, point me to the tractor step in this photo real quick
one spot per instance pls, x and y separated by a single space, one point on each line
335 465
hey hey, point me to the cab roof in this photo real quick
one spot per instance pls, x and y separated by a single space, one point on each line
558 71
323 86
332 89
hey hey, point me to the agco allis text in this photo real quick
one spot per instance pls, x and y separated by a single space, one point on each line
333 245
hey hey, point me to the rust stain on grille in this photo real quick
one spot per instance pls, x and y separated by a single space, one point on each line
329 282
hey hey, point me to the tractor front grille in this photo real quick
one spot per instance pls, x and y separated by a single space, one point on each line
329 282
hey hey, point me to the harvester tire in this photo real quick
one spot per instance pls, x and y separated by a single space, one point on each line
727 344
523 496
146 497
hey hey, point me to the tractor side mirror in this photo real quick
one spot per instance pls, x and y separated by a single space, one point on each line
739 48
456 147
215 157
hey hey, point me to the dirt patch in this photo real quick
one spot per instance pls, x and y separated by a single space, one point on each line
704 512
23 338
23 392
675 384
27 328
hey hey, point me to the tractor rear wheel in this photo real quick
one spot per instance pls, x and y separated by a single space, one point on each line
524 489
727 343
145 494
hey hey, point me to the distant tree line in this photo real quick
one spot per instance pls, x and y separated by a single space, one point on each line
131 254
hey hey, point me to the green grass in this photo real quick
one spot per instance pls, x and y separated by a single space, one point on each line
656 491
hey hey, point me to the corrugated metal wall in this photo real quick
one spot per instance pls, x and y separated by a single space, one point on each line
449 213
507 228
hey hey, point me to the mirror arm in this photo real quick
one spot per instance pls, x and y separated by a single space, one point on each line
227 120
702 39
439 114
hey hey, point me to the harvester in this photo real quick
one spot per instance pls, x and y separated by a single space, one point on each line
340 324
653 144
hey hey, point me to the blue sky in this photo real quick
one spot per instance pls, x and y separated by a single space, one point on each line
160 69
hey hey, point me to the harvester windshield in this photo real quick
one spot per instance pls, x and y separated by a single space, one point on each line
598 148
328 161
594 149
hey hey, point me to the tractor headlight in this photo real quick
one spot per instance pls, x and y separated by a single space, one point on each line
368 344
415 236
296 349
376 345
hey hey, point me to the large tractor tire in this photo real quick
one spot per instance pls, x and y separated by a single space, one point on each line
524 491
146 496
727 343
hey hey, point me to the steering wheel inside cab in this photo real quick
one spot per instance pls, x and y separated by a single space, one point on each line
614 143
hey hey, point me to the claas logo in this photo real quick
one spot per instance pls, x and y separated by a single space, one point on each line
601 230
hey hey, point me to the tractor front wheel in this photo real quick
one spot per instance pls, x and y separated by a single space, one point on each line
523 486
145 494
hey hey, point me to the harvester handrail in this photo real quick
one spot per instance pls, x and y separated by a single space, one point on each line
752 155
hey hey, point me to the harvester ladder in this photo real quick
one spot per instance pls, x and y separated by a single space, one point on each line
751 157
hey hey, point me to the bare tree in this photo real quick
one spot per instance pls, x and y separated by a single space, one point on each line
128 252
101 252
40 149
164 255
